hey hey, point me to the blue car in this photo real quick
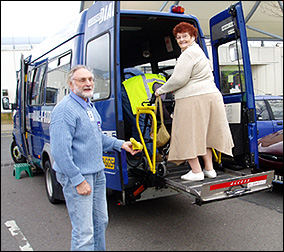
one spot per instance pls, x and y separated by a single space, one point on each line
269 113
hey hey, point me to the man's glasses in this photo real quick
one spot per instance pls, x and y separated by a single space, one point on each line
84 80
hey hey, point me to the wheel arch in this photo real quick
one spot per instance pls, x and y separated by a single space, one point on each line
46 155
57 196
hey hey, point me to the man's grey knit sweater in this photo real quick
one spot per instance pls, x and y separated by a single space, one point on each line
76 139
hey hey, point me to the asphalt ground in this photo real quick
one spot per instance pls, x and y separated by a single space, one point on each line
250 223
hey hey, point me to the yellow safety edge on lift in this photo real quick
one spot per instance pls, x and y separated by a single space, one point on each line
148 110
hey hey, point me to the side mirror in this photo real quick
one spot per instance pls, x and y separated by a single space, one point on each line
5 103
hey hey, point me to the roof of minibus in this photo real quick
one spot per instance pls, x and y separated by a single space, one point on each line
158 13
76 27
71 30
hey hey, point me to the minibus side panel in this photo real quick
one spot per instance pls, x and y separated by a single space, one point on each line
38 108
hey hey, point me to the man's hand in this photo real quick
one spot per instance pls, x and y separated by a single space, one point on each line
84 188
128 147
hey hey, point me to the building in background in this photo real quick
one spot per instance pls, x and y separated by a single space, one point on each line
11 50
267 65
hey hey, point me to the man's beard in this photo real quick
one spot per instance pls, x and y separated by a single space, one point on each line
83 93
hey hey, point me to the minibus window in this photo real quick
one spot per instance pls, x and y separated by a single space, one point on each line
231 75
166 67
56 84
36 87
97 59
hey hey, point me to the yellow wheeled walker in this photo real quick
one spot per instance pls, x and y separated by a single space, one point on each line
148 110
136 145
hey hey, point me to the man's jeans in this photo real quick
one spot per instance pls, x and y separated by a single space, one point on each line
88 214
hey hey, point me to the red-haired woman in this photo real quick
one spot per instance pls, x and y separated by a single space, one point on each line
199 122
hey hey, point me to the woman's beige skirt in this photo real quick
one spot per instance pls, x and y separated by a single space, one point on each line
199 122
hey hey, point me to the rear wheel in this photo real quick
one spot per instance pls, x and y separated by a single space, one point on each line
50 182
16 154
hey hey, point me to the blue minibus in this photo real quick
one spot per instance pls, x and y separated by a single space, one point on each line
110 41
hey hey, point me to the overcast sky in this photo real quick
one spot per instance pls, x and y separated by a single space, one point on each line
36 18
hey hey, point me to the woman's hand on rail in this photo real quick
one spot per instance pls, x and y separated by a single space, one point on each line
156 92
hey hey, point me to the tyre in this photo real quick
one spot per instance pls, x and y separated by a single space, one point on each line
50 183
134 161
162 170
16 154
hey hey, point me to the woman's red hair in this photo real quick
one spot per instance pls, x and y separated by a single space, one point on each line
184 27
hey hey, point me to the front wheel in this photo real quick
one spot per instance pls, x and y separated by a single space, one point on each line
16 154
50 182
